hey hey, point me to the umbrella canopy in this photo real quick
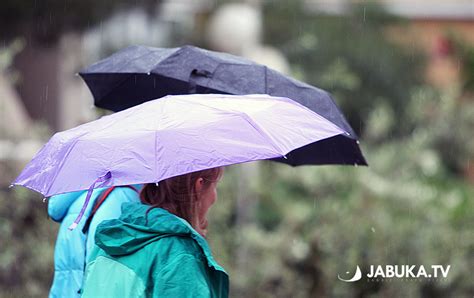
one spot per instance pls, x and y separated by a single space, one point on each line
137 74
172 136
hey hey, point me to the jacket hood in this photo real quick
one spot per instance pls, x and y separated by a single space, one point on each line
132 231
58 205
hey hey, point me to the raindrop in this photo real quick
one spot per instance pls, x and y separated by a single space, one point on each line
372 229
364 14
148 73
46 92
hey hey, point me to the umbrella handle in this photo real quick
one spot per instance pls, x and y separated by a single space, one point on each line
101 179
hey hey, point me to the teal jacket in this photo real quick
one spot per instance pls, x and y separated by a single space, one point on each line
73 248
156 256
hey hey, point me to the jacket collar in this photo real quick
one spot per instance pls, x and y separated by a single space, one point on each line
140 221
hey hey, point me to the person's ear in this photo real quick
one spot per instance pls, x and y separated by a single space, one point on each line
198 185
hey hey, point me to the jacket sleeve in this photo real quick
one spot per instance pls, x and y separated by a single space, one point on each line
185 276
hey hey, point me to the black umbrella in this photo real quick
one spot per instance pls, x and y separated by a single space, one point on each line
137 74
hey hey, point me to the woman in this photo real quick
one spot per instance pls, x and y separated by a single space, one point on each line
157 248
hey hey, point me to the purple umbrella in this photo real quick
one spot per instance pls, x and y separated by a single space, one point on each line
172 136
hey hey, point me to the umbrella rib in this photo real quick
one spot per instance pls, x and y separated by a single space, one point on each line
67 154
250 121
132 60
266 79
261 132
139 57
63 161
128 75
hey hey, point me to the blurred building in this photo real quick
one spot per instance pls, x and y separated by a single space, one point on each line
432 24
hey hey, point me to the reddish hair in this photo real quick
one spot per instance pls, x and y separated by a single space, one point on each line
178 194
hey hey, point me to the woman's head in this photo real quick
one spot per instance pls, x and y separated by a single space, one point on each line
188 196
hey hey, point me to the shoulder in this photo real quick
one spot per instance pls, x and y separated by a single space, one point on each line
182 274
189 275
111 207
126 193
185 270
174 247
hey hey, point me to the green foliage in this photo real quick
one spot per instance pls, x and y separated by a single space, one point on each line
348 55
27 237
313 223
411 206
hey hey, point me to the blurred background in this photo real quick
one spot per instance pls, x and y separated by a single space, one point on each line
402 71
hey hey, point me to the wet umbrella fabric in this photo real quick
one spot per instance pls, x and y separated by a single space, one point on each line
171 136
137 74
